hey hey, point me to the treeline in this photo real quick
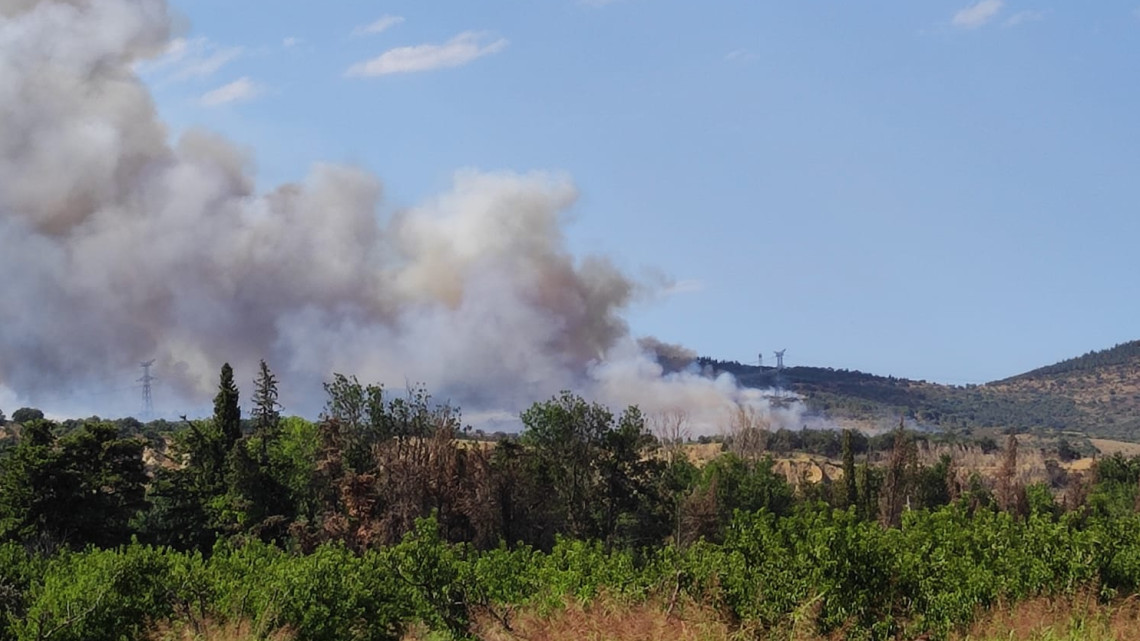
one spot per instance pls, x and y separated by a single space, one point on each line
858 395
1121 354
378 516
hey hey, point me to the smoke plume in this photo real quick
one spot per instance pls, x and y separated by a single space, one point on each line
118 246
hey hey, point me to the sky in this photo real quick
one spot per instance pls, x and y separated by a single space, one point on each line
937 190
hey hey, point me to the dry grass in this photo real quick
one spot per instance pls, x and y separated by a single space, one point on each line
216 631
605 620
700 454
1078 618
1108 448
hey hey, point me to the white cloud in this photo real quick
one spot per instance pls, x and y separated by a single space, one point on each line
977 14
1021 17
186 59
240 90
291 42
380 26
460 50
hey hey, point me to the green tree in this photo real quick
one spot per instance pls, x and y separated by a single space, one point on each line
747 486
597 468
353 423
27 415
266 412
227 412
77 490
933 483
851 493
566 437
194 503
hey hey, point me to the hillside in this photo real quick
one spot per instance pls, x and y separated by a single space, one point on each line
1104 386
1097 394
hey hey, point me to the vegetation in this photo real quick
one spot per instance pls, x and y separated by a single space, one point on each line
1097 394
377 522
1122 354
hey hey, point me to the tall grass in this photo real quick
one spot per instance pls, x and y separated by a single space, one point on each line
1078 618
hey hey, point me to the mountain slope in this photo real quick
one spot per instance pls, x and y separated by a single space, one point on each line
1096 394
1103 385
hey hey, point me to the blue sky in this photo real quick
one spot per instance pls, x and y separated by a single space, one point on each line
940 190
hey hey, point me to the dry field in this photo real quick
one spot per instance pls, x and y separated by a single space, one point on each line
1108 448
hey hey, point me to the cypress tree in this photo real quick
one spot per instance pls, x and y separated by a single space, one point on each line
227 413
852 490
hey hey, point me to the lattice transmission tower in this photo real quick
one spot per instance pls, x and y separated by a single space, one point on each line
148 400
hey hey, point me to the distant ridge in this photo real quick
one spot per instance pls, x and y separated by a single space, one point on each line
1097 394
1121 354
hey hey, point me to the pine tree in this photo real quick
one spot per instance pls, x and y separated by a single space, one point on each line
266 412
227 413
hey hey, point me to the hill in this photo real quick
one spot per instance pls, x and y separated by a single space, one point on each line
1104 386
1097 394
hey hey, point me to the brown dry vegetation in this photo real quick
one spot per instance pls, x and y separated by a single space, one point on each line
1077 618
1109 385
1108 396
1080 617
1031 468
1110 447
609 620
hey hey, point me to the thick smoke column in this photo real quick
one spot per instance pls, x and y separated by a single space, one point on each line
117 246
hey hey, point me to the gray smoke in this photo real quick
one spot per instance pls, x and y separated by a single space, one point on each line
118 246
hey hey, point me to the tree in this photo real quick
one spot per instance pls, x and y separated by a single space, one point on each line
899 478
671 429
565 435
851 494
193 503
1066 452
81 489
27 415
934 485
1009 493
184 499
259 497
748 432
597 469
266 412
747 485
353 423
227 412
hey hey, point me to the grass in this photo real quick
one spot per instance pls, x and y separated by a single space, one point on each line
1077 618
